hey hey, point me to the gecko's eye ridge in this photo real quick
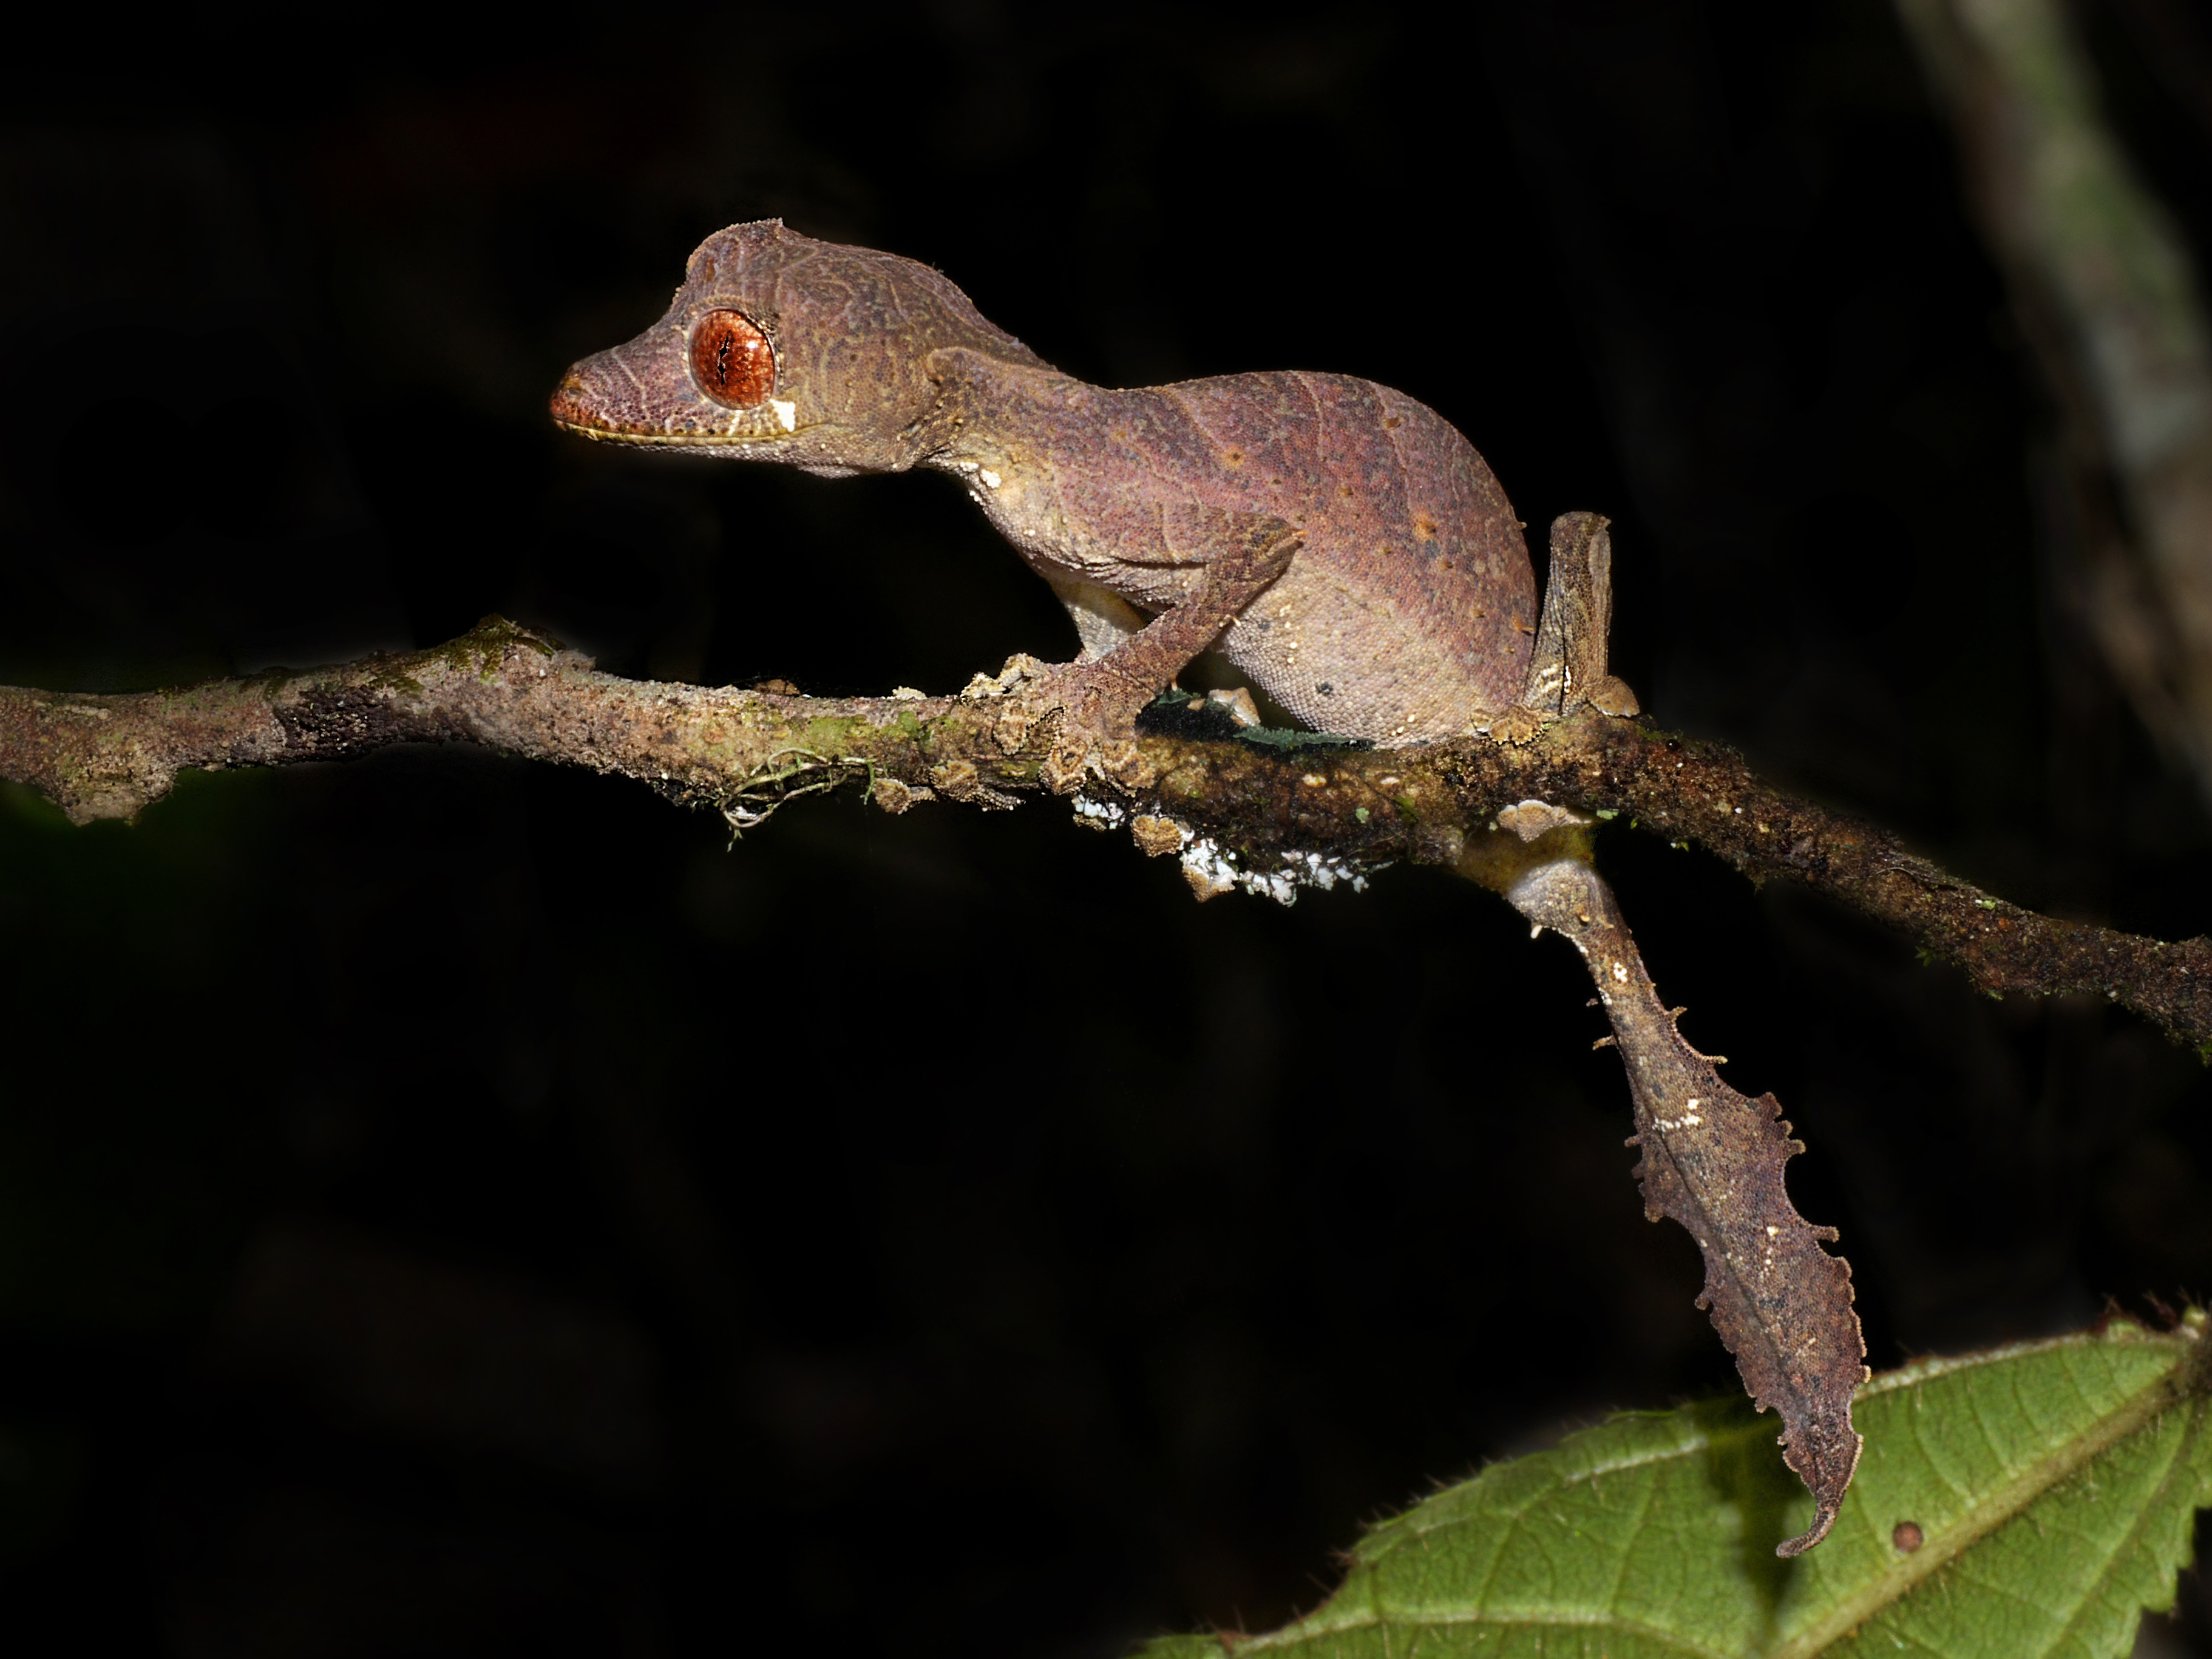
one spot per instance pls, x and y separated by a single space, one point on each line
732 361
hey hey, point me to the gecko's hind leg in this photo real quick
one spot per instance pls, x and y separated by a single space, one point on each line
1567 672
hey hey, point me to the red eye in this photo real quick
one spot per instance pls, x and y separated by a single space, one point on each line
731 360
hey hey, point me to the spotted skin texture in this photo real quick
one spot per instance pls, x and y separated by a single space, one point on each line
1407 609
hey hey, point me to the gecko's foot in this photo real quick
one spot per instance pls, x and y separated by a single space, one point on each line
1084 715
1026 704
1020 668
1516 726
1521 724
1611 696
1016 723
1118 762
1096 701
1063 767
1020 714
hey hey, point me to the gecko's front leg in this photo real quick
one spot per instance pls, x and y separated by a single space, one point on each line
1098 699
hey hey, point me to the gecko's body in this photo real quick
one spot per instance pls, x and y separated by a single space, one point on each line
1408 610
1341 542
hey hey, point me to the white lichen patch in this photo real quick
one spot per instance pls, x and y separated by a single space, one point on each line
1099 814
991 480
1210 871
1324 871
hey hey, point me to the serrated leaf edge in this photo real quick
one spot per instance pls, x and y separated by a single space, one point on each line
2180 1386
2184 1385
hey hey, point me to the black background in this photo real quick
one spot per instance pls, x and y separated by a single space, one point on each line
448 1206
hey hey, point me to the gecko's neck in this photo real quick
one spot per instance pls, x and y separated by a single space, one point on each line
991 412
1002 429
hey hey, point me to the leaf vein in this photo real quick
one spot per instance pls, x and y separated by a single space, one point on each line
2008 1500
2176 1458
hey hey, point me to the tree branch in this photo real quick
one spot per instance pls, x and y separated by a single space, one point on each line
1234 812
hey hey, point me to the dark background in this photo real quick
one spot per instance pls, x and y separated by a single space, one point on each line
448 1206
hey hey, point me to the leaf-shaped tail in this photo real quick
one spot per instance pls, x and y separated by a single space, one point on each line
1713 1160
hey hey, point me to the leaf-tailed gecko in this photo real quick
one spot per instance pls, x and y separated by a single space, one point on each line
1339 543
1343 545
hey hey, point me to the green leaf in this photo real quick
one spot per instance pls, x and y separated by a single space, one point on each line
2027 1501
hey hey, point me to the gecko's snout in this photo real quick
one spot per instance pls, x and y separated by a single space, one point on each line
606 394
575 403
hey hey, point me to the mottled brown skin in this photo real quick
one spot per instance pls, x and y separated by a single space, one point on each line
1341 544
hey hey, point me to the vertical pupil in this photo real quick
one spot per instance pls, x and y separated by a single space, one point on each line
731 360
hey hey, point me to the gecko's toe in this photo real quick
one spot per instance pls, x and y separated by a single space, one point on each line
1516 726
1612 696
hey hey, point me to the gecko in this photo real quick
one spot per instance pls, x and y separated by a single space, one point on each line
1343 545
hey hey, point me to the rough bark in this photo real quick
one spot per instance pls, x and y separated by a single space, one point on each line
1270 816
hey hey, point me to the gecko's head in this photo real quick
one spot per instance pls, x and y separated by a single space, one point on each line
780 347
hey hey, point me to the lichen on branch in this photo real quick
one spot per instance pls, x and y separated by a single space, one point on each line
507 689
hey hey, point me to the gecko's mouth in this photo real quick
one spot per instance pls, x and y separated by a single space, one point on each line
590 402
701 440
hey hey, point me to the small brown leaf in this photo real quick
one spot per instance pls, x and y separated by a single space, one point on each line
1712 1160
